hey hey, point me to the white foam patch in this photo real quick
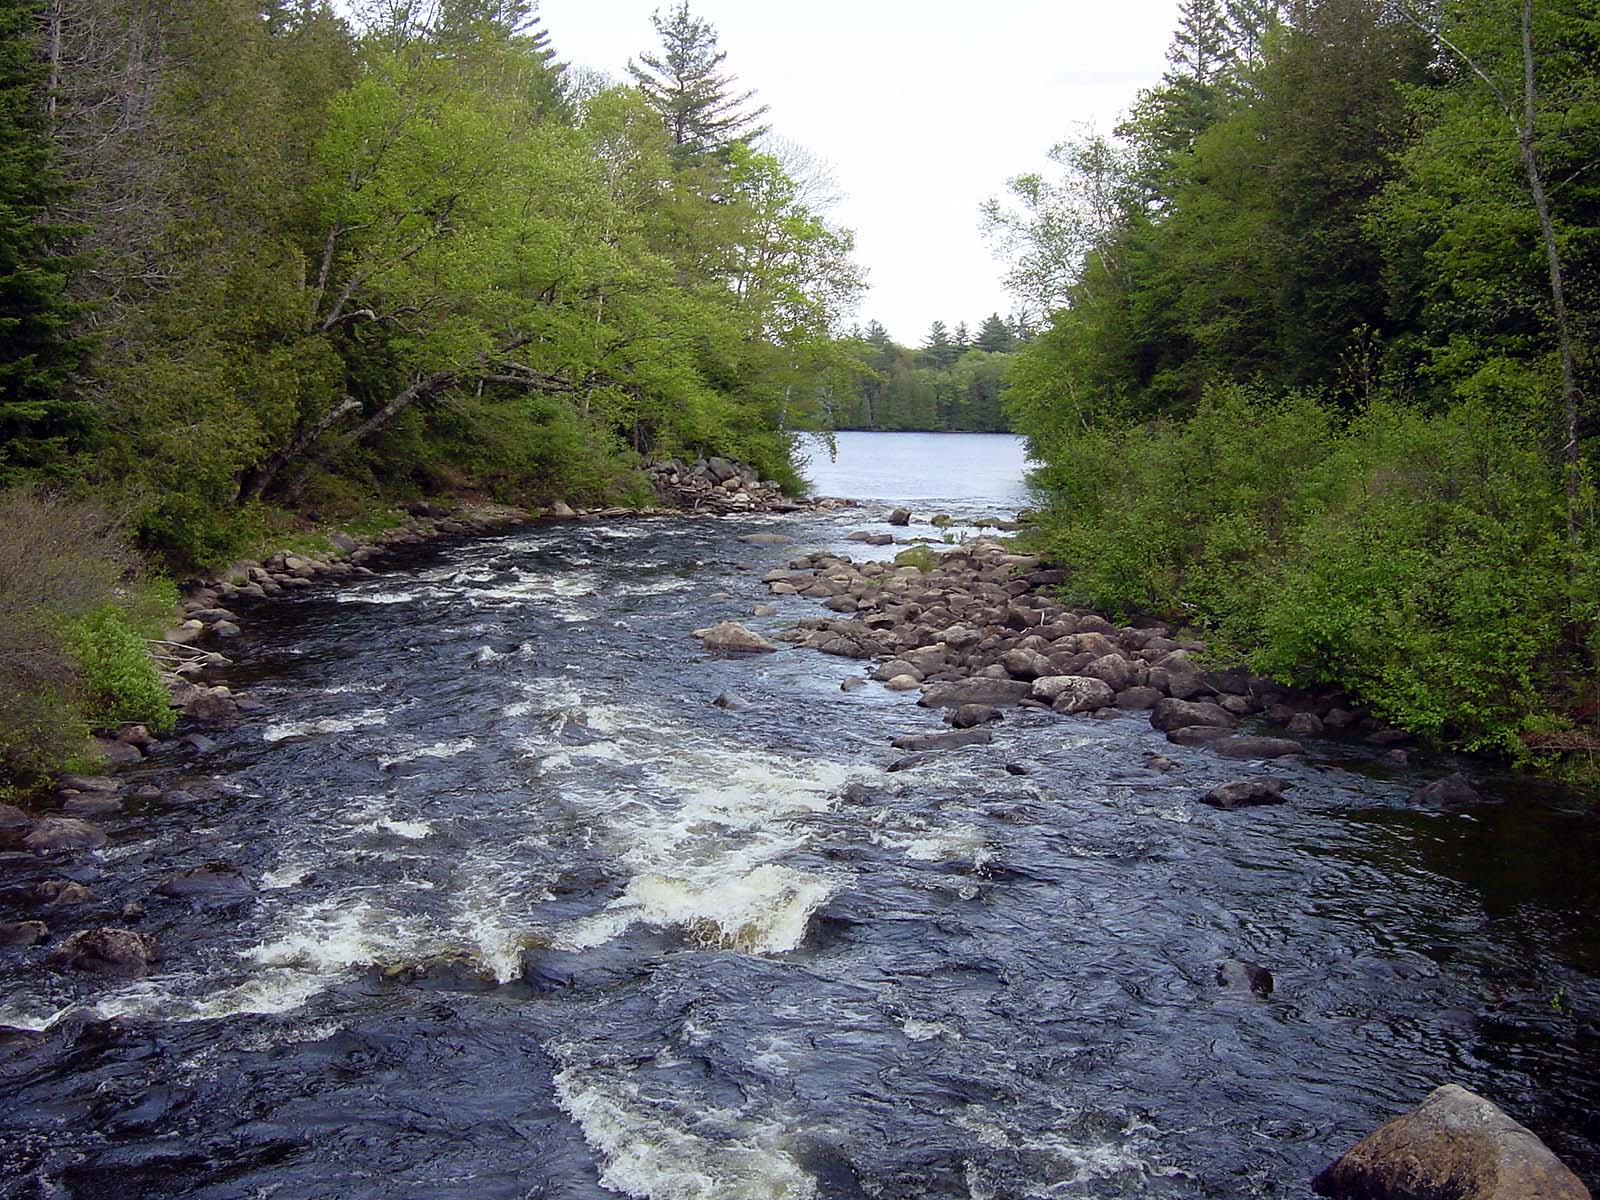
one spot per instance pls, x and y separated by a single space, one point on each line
448 749
365 719
353 596
763 912
650 1154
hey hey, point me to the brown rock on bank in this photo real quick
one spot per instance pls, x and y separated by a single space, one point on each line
1455 1146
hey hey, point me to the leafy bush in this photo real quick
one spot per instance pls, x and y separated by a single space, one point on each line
191 533
62 562
119 680
1416 558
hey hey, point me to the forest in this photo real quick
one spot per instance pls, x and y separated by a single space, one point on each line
1319 360
955 380
266 258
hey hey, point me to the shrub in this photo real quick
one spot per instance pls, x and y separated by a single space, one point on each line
120 682
61 562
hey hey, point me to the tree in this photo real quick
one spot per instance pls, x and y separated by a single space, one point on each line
994 336
876 334
940 350
39 344
696 100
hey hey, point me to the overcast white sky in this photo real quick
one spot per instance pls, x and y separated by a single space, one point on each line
924 108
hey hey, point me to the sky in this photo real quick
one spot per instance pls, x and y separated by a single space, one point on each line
923 108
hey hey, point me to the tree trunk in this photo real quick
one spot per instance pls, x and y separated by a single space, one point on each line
1571 398
260 479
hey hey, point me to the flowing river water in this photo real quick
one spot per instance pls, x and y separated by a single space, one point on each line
534 919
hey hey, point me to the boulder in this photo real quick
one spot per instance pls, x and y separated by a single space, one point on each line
1170 713
1071 694
23 933
116 753
1026 664
894 667
118 953
1113 669
730 702
903 683
953 740
767 539
91 804
1198 735
1455 1145
215 880
1304 724
64 833
900 516
1247 793
970 716
974 691
14 824
1452 791
852 682
1137 698
1243 976
729 637
61 893
1257 747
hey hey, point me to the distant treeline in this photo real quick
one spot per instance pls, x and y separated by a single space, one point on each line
1320 369
955 380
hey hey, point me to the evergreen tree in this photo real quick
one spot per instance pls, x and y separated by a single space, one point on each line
962 337
38 346
941 351
876 334
994 336
685 84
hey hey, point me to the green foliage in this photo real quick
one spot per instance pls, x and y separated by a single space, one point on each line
120 680
190 533
1417 560
920 557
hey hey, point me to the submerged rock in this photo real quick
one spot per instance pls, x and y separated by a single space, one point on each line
900 516
118 953
953 740
1247 793
1170 714
767 539
969 716
1450 792
1241 975
215 880
1455 1146
23 933
729 637
1257 747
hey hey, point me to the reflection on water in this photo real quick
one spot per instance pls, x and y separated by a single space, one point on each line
960 473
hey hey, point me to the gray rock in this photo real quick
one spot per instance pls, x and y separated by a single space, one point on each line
1247 793
87 783
216 880
900 516
1026 664
64 833
1113 669
953 740
117 953
1243 976
767 539
1304 724
730 702
225 629
974 691
1257 747
1198 735
118 754
91 804
1170 713
1452 791
1082 694
903 683
852 682
1455 1146
970 716
729 637
14 824
1137 699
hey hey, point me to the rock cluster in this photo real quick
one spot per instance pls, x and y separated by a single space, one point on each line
977 629
721 485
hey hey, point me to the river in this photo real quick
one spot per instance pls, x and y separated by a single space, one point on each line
535 919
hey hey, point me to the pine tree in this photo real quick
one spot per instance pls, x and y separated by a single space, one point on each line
703 114
39 348
962 337
994 336
940 349
876 334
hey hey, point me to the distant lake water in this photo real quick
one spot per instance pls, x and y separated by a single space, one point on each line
950 471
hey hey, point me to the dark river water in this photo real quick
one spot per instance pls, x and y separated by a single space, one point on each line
535 919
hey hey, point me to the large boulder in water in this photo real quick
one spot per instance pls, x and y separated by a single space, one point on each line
975 690
1246 793
1453 791
64 833
214 881
1074 693
1455 1146
119 953
730 637
1169 714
